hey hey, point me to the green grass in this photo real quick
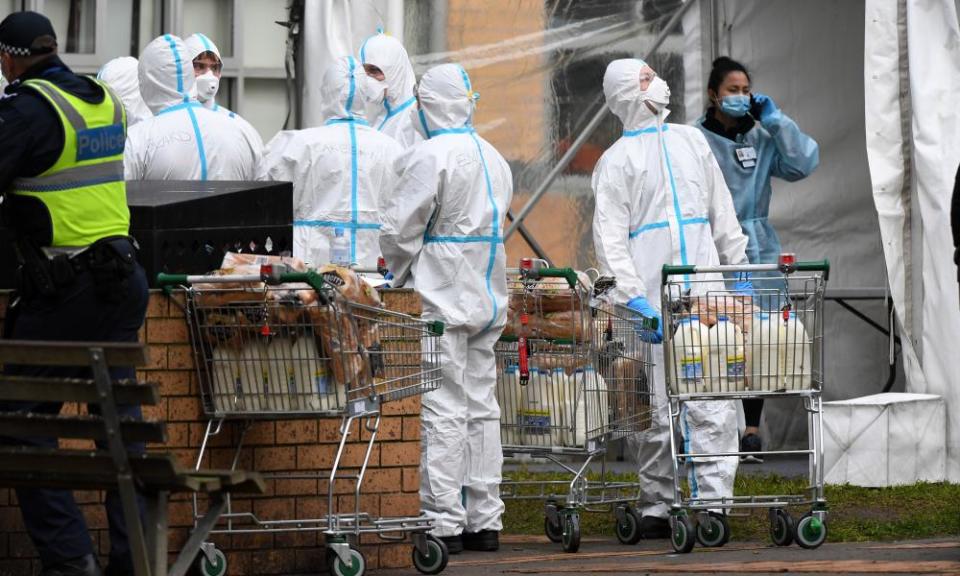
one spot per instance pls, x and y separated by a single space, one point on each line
855 514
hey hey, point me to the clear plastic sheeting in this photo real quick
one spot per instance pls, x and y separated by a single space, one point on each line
538 67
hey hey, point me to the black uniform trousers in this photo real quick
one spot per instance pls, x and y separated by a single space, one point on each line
75 313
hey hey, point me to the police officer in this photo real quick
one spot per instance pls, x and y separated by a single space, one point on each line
61 179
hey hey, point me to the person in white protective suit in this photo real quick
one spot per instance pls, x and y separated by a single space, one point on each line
121 75
393 112
184 140
338 170
443 235
661 199
208 68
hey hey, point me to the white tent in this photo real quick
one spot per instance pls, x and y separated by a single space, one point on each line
912 78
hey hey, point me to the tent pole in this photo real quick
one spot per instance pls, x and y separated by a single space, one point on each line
589 129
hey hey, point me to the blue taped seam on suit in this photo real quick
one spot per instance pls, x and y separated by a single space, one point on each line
333 121
694 487
632 133
181 106
665 224
462 239
335 224
677 214
423 122
391 112
353 162
176 59
206 42
199 138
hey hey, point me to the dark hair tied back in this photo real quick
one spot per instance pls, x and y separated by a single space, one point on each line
721 67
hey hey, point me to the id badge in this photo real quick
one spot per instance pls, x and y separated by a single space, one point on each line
747 157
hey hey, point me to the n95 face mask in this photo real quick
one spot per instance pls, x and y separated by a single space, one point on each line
207 86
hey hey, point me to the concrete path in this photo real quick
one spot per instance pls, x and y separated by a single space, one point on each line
535 555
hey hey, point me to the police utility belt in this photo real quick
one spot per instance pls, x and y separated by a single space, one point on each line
110 262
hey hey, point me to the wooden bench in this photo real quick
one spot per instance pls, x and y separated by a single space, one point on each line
154 475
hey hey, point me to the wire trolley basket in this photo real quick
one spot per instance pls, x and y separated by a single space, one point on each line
288 345
572 377
723 344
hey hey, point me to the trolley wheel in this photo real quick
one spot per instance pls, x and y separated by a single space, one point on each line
435 560
554 530
811 531
628 530
357 566
682 533
204 567
781 527
713 530
571 532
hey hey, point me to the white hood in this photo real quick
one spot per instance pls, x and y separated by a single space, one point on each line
621 87
198 43
341 90
447 99
121 75
166 73
388 54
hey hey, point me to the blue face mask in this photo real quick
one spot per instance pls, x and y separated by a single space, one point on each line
735 105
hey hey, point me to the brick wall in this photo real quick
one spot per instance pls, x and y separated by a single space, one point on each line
390 488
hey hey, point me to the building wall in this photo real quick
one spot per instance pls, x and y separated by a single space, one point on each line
390 487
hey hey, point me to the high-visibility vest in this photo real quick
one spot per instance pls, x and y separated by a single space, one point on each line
83 192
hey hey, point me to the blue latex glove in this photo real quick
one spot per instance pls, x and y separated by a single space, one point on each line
766 106
642 306
388 276
743 285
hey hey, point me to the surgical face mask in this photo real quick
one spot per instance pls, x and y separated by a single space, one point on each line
657 94
206 86
735 105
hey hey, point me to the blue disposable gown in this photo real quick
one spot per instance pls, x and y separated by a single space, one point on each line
782 151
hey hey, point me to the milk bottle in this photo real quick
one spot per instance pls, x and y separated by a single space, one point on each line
690 357
255 377
764 362
535 417
226 386
727 357
563 405
577 438
797 357
508 396
597 405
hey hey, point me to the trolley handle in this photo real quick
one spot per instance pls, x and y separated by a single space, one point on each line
569 274
268 274
786 268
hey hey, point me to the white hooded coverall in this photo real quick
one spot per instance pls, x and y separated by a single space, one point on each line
196 45
396 114
121 75
661 199
443 234
339 171
184 140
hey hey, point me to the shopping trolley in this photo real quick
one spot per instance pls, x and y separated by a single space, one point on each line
283 346
722 345
572 377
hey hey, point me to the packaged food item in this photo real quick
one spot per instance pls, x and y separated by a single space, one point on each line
737 309
350 285
340 343
568 325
